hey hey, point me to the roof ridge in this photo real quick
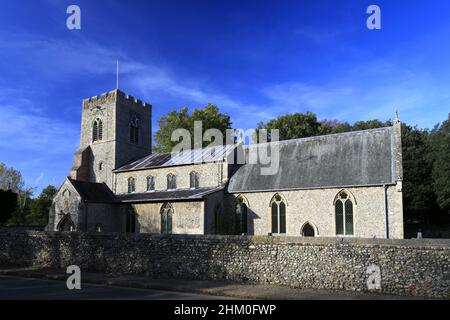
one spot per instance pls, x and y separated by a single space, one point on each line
321 136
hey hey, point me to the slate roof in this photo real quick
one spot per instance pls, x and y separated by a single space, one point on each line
359 158
158 160
175 195
93 192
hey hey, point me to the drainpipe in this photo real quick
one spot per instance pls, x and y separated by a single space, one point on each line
386 211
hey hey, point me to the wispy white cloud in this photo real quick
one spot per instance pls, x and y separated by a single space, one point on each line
39 179
374 89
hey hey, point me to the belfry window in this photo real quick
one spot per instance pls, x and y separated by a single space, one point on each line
278 211
194 180
150 183
97 130
134 129
171 182
344 214
131 185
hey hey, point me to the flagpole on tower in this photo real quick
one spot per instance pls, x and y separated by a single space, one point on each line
117 75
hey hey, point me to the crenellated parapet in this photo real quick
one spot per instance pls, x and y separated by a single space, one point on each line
111 97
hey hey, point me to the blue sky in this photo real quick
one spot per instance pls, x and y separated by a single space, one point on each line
255 59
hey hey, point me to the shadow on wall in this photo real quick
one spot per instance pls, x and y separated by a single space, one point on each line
337 264
427 231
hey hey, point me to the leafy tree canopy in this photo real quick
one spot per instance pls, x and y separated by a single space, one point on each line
39 208
440 144
210 116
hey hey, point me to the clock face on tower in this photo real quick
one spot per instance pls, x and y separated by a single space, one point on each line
135 120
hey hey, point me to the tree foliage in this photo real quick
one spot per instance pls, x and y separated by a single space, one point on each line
11 179
302 125
39 207
292 126
440 144
210 117
418 193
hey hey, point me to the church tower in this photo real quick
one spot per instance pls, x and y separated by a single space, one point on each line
115 129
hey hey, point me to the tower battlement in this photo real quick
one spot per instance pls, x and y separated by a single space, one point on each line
111 96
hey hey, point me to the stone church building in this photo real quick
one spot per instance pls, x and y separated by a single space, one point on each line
341 185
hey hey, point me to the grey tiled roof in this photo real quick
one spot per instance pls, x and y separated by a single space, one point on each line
93 192
172 195
339 160
156 160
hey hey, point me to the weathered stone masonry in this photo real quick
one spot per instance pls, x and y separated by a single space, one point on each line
408 267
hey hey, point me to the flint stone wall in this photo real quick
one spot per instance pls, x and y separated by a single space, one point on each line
408 267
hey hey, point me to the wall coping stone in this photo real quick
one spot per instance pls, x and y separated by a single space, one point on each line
416 243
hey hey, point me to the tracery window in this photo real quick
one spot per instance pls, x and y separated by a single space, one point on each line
134 129
150 183
131 185
241 218
166 218
194 180
278 210
171 182
344 214
130 225
97 130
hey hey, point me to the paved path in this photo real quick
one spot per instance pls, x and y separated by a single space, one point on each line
16 288
140 286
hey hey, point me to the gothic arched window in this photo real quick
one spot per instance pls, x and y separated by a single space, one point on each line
134 129
131 185
344 214
194 180
241 219
97 130
150 183
130 225
166 218
171 182
278 210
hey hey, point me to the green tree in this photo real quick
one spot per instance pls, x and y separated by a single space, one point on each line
418 193
370 124
210 116
440 142
292 126
11 179
333 126
40 207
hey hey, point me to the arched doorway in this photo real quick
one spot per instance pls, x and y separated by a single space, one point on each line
308 230
66 224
